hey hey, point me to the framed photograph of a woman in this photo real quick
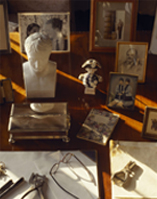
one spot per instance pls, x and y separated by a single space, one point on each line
56 26
131 57
111 21
122 90
150 123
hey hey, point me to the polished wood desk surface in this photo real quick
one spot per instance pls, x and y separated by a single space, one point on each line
70 89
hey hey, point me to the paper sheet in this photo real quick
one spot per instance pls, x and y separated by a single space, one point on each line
23 164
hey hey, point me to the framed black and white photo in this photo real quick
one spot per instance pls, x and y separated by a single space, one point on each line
131 57
54 25
122 90
111 21
153 43
4 30
150 123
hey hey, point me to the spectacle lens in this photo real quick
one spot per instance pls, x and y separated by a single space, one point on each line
54 168
77 167
67 158
81 172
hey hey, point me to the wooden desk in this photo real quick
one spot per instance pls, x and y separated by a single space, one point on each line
70 90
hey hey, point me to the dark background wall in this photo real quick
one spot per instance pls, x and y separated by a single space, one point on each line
80 11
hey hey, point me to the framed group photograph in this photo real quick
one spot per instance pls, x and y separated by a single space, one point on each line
131 57
4 30
150 123
54 25
122 90
111 21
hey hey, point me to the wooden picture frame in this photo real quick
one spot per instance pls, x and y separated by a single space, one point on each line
131 57
149 129
153 43
6 91
35 22
4 30
122 90
111 21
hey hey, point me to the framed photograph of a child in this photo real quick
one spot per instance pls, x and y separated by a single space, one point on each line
54 25
131 57
122 91
111 21
150 123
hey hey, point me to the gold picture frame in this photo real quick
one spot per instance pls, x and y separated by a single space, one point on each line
111 21
131 57
149 129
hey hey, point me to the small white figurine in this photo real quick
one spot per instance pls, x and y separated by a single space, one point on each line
39 73
90 79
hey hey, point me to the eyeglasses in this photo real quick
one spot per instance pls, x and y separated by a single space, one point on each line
66 159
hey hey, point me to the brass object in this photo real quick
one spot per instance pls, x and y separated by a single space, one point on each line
2 169
121 177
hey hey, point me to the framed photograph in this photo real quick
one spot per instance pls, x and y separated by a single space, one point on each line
150 123
122 90
6 91
54 25
4 30
131 57
111 21
153 43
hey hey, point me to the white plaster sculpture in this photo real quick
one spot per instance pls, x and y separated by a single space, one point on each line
39 73
90 79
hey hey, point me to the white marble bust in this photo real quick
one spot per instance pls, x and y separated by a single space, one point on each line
39 72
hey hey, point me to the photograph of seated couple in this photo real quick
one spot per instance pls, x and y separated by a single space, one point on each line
123 94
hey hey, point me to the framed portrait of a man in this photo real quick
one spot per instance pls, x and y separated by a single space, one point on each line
150 123
111 21
56 26
122 91
131 58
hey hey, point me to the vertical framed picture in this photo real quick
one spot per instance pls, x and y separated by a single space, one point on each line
122 91
150 123
131 57
153 43
4 30
54 25
111 21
